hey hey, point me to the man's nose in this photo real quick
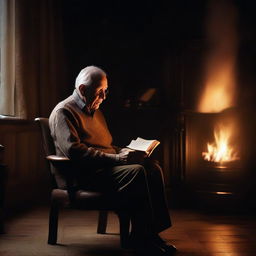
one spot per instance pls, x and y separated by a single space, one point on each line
103 95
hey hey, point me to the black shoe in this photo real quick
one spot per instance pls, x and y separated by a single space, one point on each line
169 248
151 247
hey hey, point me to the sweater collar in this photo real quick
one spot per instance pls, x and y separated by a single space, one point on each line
81 103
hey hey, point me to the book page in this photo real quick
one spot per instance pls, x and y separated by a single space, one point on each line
141 144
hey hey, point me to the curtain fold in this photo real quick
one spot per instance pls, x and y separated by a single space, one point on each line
7 46
39 57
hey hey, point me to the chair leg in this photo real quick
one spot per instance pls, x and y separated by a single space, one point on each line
3 177
53 225
102 222
2 231
124 224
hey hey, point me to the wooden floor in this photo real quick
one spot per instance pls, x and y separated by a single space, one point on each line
194 233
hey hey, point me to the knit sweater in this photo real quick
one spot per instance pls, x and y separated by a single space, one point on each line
80 135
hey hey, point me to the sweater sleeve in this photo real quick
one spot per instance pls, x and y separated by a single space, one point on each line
65 132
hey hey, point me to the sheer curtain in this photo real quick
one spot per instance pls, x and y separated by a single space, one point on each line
7 46
37 58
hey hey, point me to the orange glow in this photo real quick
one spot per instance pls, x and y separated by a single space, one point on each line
221 150
219 89
220 61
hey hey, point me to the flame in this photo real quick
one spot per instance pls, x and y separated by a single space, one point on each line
221 150
220 77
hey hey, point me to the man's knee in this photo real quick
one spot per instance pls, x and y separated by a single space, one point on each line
153 168
138 170
133 172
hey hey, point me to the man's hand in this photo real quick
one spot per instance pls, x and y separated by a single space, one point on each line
136 157
123 155
130 156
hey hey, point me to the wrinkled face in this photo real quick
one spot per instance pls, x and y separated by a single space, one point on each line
95 94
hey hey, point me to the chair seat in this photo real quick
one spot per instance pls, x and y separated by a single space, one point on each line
83 199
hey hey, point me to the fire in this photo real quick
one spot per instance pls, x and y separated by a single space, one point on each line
221 150
219 90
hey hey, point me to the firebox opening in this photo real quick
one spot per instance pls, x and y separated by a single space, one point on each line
220 177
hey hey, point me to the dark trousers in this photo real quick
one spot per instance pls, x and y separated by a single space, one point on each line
140 189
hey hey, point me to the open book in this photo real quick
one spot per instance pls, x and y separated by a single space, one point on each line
144 145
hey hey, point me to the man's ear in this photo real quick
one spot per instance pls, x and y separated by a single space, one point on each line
82 89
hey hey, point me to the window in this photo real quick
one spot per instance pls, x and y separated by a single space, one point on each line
1 17
7 57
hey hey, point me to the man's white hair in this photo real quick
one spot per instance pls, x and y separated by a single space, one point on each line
89 76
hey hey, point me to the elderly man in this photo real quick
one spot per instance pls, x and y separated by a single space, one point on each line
80 132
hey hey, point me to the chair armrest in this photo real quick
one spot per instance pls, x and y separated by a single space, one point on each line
59 162
54 158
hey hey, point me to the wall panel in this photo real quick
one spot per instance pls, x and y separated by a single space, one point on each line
27 176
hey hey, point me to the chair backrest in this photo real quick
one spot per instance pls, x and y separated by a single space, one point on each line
59 173
48 144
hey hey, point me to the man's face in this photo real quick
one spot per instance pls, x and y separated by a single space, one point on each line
96 94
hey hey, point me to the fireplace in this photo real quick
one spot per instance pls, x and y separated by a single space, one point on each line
220 180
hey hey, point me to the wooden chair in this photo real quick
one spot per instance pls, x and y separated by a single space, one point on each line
81 199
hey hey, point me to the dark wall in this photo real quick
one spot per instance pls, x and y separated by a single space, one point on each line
130 40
